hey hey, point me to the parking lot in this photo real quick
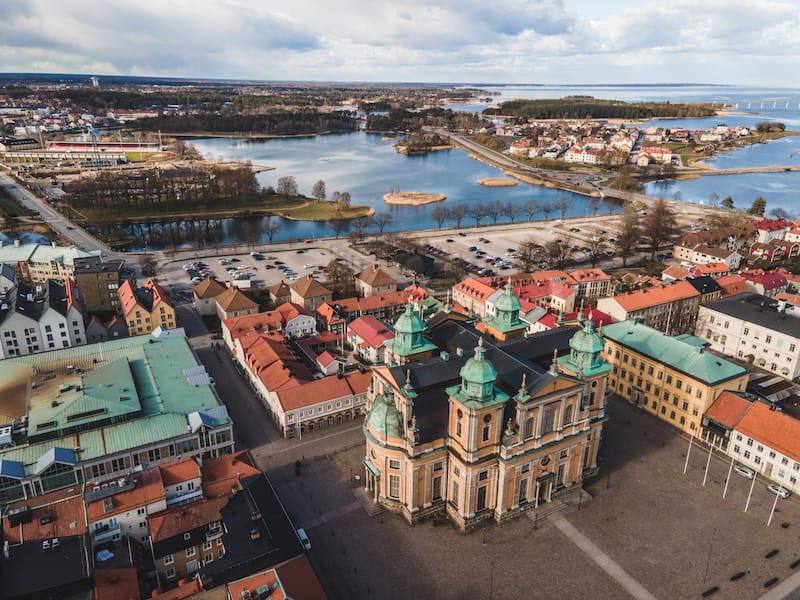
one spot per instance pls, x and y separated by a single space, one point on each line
673 536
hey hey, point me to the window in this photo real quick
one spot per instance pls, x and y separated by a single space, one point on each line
458 428
757 460
760 448
747 453
567 416
208 545
169 559
438 466
784 460
679 383
170 573
187 536
772 454
140 511
394 486
564 453
768 339
685 406
483 475
221 552
481 502
487 429
142 524
669 379
736 449
548 423
526 468
209 557
522 496
454 498
749 441
154 454
394 464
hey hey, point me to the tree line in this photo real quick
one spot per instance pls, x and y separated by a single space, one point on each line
592 108
406 120
273 123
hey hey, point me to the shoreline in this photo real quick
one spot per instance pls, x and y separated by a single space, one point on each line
412 198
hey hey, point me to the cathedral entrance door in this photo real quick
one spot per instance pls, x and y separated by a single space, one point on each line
543 485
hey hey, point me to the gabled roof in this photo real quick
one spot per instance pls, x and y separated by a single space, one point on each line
773 428
175 521
220 474
676 353
308 287
368 328
374 276
208 288
770 281
732 284
326 359
321 390
232 300
280 289
53 455
656 295
178 471
728 409
584 275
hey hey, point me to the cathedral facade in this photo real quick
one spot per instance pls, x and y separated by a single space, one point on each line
488 433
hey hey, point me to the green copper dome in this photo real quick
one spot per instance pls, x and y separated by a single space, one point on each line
508 301
409 322
587 340
383 418
478 375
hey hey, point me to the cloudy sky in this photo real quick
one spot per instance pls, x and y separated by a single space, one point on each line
502 41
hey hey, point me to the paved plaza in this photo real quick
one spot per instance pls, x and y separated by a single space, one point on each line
648 532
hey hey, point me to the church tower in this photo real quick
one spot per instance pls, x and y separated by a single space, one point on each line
408 344
506 324
475 429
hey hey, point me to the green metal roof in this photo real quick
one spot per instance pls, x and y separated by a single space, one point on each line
384 418
681 355
147 371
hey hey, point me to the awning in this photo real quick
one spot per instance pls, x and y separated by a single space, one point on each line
371 468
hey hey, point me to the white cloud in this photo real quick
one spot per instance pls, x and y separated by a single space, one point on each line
548 41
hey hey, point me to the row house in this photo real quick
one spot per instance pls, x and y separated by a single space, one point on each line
39 318
289 320
658 154
673 378
210 297
334 316
319 404
735 237
146 308
756 435
774 251
309 293
766 284
772 229
669 307
590 284
37 263
756 329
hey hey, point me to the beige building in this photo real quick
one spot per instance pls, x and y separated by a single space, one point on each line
146 308
373 281
309 293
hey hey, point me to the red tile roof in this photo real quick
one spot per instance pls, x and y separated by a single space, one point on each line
222 473
728 409
369 329
656 295
772 428
299 580
116 584
179 520
732 284
149 490
178 471
321 390
64 506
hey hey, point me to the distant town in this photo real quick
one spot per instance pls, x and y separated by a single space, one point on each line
328 417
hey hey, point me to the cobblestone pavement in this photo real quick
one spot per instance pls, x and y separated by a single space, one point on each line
671 535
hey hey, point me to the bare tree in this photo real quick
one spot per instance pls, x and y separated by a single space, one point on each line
493 210
547 208
318 191
779 213
459 212
358 227
563 204
477 211
440 214
558 252
271 227
511 211
382 219
287 186
628 233
338 226
597 246
529 255
531 208
344 201
713 200
658 225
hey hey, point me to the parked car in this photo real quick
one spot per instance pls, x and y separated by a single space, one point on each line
301 533
780 491
744 472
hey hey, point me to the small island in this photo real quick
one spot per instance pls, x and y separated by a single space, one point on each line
412 198
422 143
497 182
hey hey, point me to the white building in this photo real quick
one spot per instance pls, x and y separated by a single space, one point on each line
753 328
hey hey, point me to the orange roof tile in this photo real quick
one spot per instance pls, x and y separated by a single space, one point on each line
321 390
656 295
149 489
64 506
178 520
178 471
299 580
727 409
732 284
772 428
582 275
221 473
674 272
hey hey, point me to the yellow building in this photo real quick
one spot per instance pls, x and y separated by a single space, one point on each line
146 308
675 378
486 436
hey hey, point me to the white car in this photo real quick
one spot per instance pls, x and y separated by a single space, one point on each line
188 267
744 472
301 533
781 491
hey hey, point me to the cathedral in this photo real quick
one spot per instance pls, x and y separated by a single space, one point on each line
488 425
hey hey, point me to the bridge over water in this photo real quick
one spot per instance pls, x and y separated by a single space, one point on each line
760 104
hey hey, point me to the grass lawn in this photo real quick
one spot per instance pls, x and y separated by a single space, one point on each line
325 211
